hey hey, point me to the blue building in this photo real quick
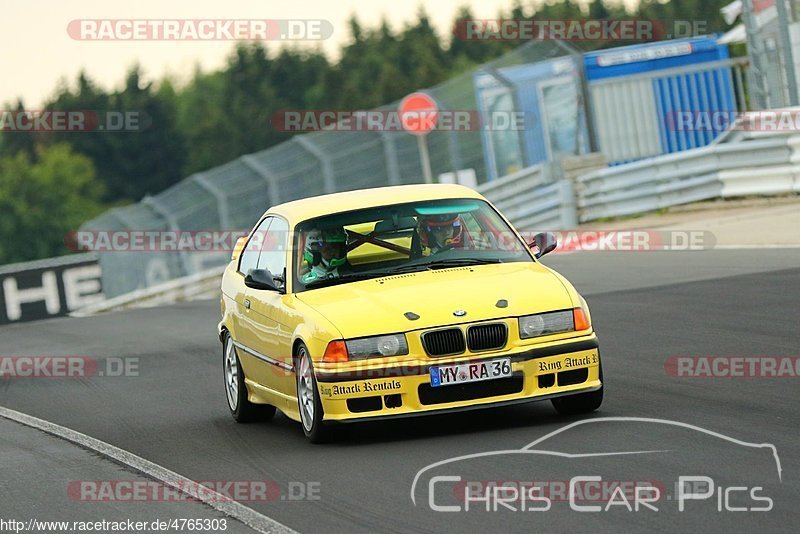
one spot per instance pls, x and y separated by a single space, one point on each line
635 94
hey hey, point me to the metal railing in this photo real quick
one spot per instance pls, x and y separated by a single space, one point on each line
764 166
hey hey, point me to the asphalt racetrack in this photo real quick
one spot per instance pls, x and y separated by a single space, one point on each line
737 438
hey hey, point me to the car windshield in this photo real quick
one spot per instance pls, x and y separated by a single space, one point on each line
382 241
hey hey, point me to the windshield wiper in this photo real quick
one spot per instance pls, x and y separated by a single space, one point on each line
442 264
461 262
324 282
406 269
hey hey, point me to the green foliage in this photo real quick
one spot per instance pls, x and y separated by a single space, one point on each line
42 201
707 12
598 10
18 141
130 163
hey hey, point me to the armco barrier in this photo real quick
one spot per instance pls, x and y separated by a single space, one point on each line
539 197
762 165
48 288
766 180
205 284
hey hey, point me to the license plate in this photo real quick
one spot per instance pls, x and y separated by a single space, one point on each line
462 373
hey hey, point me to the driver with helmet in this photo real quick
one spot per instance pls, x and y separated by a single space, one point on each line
325 253
438 233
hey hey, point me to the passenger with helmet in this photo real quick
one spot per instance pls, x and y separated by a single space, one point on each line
325 254
438 233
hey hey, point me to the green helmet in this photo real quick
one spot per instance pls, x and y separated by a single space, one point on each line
318 241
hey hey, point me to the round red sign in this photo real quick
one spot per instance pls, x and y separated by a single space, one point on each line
418 113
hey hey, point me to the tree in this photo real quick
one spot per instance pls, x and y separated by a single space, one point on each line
97 146
202 118
151 158
706 13
469 52
598 10
129 163
17 141
42 201
421 56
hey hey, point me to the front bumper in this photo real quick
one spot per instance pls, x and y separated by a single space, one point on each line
540 373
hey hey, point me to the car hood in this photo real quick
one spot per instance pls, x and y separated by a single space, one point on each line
377 306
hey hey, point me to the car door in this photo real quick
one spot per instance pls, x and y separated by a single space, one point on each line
248 259
254 366
271 320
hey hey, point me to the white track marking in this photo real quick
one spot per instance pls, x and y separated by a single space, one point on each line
217 501
527 449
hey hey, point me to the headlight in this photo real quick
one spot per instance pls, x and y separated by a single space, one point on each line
377 346
546 323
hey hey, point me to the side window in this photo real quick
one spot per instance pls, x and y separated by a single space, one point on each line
273 249
249 258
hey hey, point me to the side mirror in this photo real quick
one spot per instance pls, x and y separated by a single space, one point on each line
238 248
545 242
260 279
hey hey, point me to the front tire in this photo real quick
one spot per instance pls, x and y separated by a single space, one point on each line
242 410
308 401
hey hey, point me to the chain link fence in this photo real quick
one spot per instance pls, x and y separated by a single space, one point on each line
773 42
233 196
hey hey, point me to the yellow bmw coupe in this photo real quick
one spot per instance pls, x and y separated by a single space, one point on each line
399 301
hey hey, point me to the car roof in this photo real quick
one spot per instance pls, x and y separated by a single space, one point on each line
308 208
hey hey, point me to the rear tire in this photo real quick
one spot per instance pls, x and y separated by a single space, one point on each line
242 410
580 403
308 401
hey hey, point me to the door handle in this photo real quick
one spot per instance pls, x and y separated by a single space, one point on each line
247 303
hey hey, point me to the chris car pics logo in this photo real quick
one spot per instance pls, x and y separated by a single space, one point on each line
455 485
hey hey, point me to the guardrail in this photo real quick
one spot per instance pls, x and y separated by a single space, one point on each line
765 166
205 284
540 197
